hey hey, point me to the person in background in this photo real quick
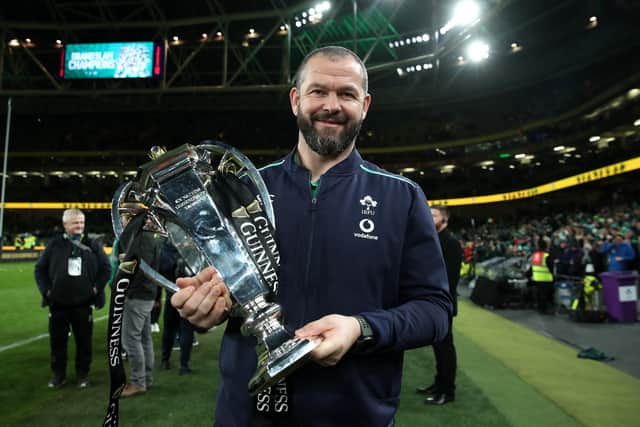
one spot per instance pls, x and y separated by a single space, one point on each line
71 274
155 312
136 323
172 266
443 388
619 253
542 278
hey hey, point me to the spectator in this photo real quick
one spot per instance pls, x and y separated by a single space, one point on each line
71 274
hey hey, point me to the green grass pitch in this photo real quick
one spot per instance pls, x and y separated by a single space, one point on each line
492 390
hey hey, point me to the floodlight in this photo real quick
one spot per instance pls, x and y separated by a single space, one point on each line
558 148
520 156
595 138
477 51
465 13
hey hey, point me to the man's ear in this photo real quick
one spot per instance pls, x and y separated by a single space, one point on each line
365 105
294 99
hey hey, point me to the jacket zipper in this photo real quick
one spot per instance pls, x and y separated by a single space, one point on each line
314 203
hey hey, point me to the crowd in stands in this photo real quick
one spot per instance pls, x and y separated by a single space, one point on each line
575 239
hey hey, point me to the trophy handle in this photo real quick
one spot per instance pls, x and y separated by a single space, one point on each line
120 207
234 161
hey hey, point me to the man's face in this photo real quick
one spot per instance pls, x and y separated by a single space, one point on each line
74 226
438 219
331 103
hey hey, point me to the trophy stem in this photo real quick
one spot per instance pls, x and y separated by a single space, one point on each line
282 354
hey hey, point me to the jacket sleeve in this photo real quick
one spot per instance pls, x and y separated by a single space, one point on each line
628 254
41 273
424 308
104 266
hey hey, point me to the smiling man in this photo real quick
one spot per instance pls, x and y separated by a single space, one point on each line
361 268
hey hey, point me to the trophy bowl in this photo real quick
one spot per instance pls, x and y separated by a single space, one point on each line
211 203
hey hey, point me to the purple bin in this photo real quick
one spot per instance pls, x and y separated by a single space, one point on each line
620 291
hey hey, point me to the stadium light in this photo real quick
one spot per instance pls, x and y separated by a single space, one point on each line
14 43
637 122
313 15
558 148
477 51
465 13
422 38
595 138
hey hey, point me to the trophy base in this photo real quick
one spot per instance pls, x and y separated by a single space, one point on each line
280 363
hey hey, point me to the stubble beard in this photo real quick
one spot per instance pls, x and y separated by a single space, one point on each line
330 145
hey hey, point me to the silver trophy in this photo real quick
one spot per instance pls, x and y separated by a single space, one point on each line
176 190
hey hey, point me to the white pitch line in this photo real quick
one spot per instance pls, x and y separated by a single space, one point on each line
36 338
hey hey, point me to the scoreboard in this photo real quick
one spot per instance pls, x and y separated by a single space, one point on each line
137 60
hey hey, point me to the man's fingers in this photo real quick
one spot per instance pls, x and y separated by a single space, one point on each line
185 282
325 353
178 299
206 275
317 327
198 310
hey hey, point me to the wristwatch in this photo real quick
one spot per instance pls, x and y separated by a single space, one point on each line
366 334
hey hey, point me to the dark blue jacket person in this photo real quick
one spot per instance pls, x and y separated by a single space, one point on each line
355 241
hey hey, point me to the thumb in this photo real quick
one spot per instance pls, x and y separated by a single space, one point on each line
315 328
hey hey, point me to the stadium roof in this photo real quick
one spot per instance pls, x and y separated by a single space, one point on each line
214 60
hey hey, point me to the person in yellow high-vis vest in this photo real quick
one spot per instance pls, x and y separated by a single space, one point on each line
542 278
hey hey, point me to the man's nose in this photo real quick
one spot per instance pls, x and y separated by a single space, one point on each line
332 102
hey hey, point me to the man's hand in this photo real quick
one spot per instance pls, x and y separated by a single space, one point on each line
338 334
203 300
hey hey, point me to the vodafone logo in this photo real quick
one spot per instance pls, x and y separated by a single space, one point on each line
367 226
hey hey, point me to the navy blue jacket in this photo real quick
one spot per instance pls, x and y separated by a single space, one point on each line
365 245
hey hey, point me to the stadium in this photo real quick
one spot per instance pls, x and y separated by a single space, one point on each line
520 119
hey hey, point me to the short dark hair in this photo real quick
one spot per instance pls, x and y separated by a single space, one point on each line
332 51
443 210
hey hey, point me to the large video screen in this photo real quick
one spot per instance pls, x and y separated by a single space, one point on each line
112 60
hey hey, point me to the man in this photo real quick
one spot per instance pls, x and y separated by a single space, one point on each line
71 274
136 323
443 389
360 267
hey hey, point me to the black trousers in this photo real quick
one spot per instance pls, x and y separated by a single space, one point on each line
446 364
543 292
173 324
80 321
